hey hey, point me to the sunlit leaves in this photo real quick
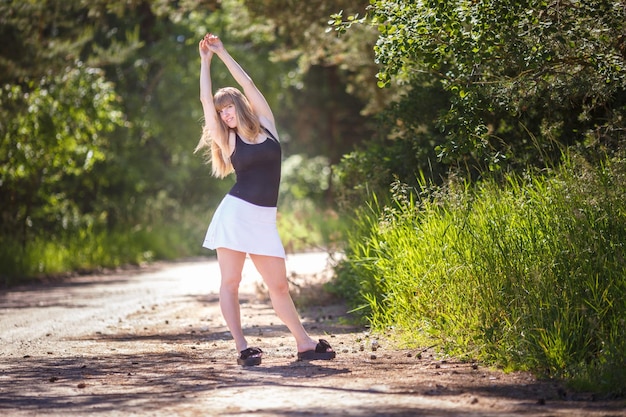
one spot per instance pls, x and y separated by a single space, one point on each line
536 61
56 131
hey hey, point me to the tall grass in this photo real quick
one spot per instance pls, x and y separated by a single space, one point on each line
92 248
527 275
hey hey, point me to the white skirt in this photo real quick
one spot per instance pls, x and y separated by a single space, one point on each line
244 227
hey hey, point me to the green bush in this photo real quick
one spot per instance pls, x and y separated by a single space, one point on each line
527 275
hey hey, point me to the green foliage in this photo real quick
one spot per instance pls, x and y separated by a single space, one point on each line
94 246
305 219
407 149
305 178
529 275
523 78
52 136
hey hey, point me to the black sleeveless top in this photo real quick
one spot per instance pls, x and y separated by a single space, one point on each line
257 168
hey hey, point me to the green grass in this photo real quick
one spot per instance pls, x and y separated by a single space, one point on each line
92 248
529 275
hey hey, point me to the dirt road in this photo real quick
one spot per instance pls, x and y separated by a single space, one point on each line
152 342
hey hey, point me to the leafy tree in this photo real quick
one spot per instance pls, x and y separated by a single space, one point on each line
523 78
403 150
56 112
51 145
81 137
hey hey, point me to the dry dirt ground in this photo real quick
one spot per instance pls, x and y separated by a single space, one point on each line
151 342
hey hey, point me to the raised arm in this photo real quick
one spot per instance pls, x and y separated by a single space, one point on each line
206 94
255 97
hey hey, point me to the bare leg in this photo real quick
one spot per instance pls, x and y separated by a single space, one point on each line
274 273
231 264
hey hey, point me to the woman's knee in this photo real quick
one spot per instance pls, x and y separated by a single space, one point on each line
230 283
277 286
231 264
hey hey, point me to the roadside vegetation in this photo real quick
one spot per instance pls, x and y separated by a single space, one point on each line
492 219
527 274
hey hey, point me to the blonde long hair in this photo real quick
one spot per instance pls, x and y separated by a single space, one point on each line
216 145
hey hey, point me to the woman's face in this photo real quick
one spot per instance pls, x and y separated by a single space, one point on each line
229 116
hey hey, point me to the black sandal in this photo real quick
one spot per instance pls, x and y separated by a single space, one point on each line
323 351
250 357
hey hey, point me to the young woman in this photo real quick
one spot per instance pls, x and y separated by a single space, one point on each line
240 135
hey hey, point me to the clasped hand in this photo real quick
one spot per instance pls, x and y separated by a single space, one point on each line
210 44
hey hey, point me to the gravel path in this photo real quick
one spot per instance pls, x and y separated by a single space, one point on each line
151 342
